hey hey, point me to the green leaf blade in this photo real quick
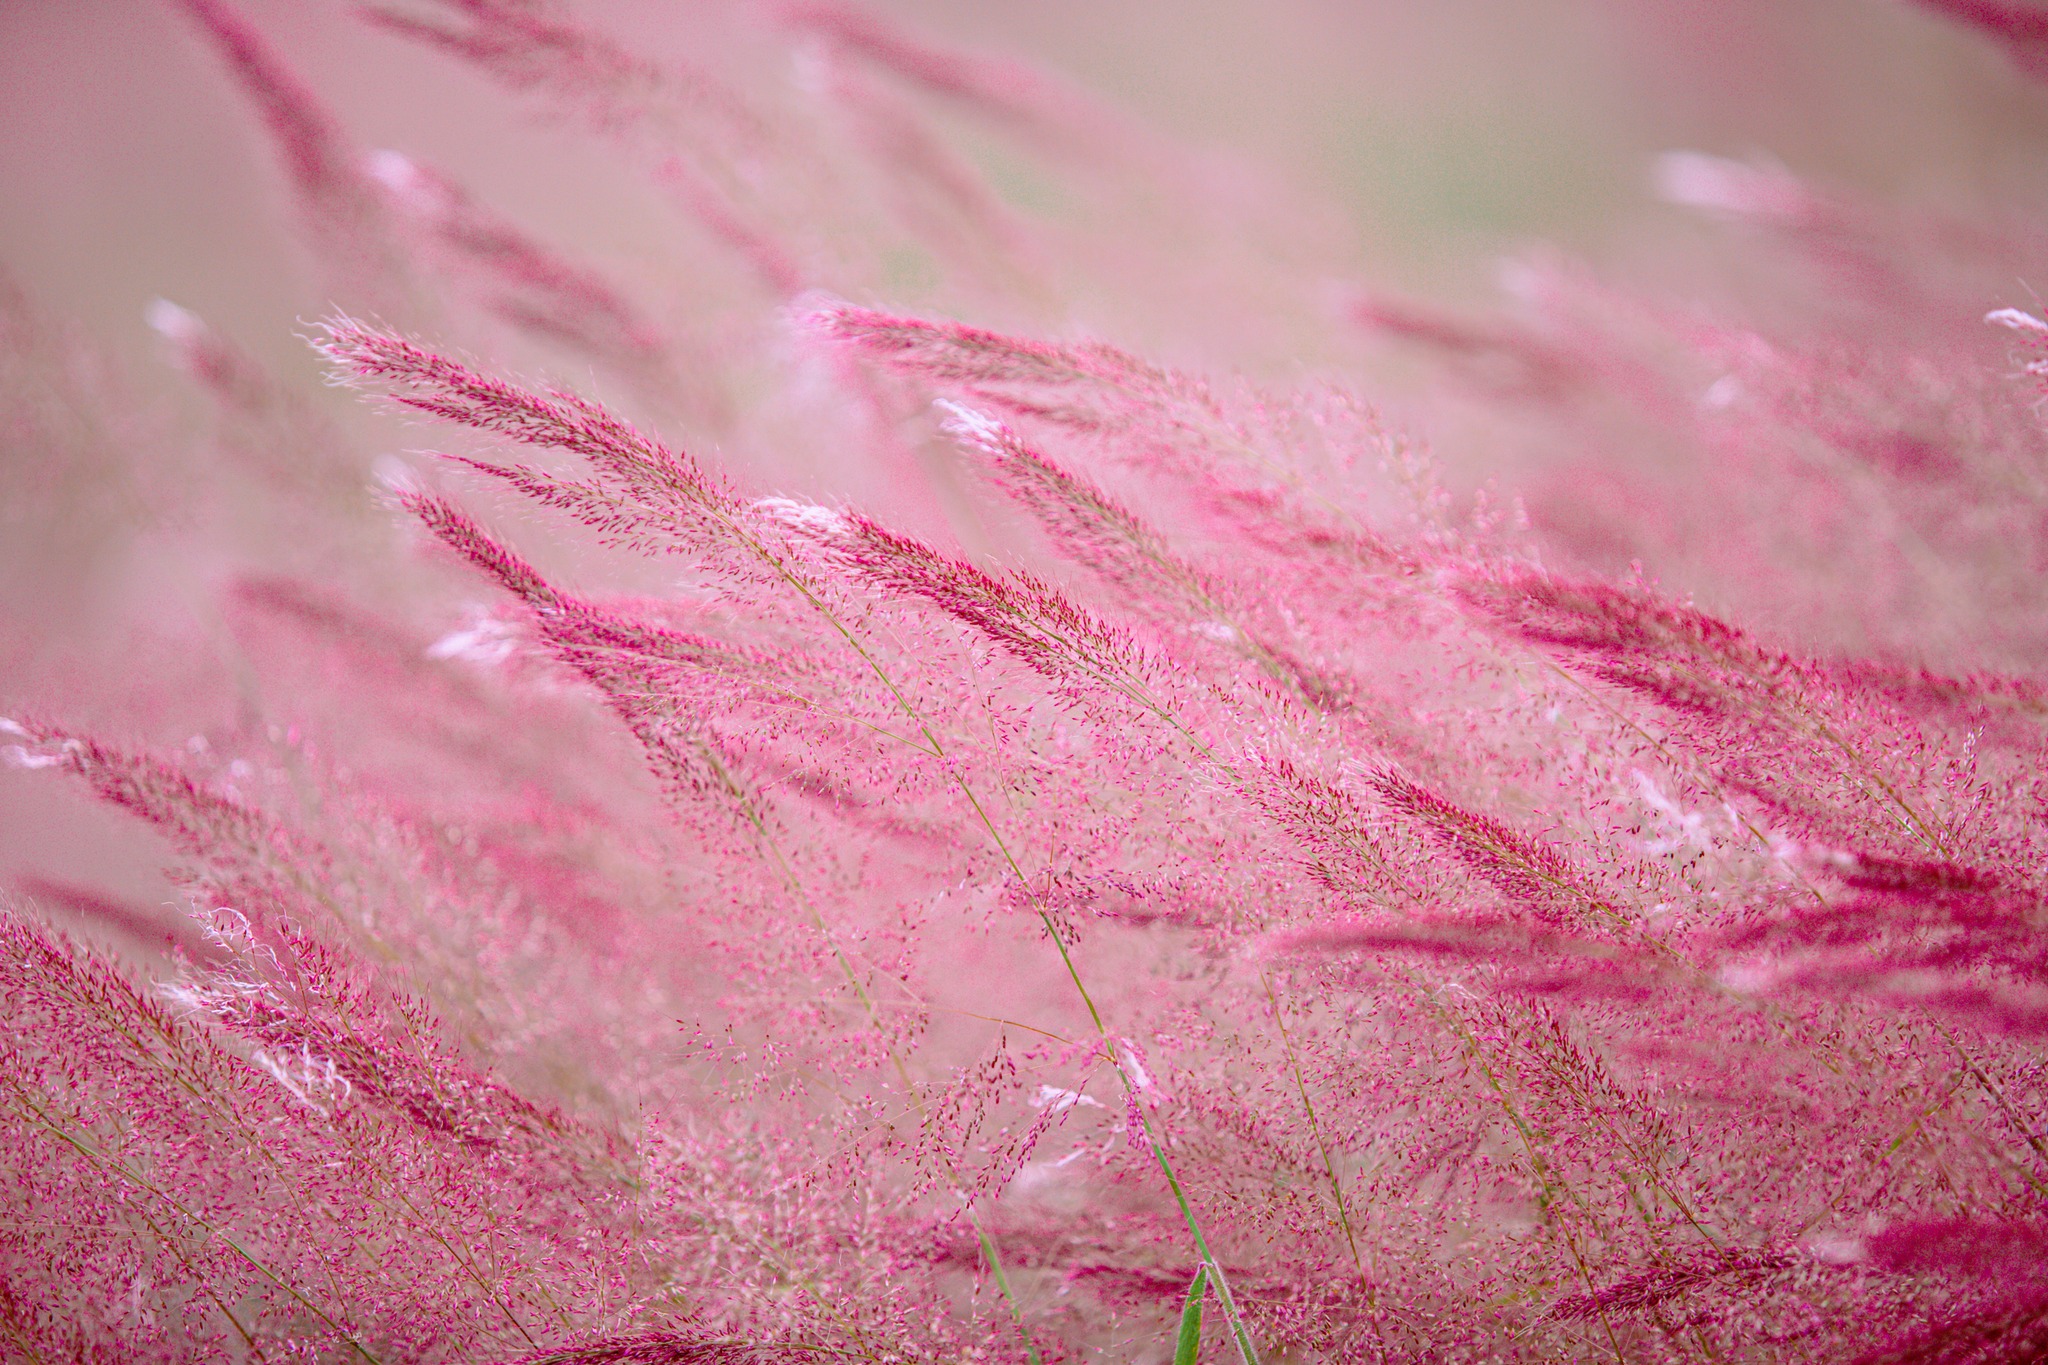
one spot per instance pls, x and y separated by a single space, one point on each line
1190 1340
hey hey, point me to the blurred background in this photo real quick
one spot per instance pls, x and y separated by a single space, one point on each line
1439 135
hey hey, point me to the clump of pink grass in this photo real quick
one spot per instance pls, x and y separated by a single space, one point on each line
1159 877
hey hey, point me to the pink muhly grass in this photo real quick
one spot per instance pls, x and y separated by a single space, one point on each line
1151 865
